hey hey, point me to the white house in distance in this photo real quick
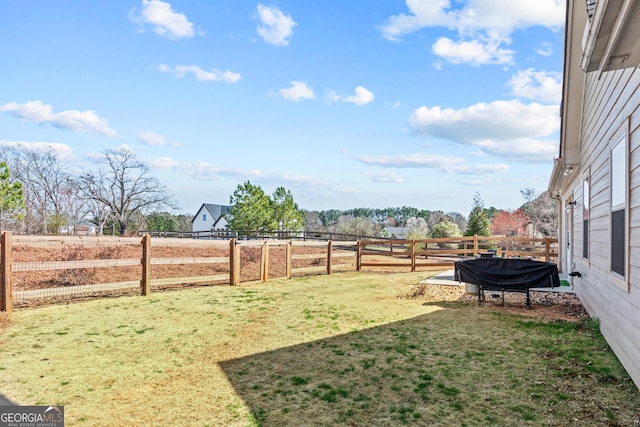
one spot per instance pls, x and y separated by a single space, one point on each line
596 177
210 217
82 228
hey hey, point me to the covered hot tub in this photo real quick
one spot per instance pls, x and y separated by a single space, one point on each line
507 275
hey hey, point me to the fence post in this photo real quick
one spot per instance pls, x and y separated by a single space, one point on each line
547 255
6 288
329 251
413 255
288 258
359 255
264 264
145 283
475 245
234 262
426 249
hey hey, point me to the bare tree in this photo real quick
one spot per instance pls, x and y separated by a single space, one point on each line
437 217
123 184
74 208
358 227
458 219
542 212
98 211
44 178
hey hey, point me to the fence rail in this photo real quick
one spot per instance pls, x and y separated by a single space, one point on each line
256 235
40 270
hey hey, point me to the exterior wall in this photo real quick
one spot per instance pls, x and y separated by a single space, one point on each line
213 221
611 108
221 224
200 224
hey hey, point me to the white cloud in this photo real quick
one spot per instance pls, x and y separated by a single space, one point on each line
410 161
545 49
297 91
474 52
362 96
77 121
479 169
484 15
482 25
545 86
151 138
332 96
63 151
165 21
162 163
527 150
445 164
213 75
384 177
205 171
275 27
295 179
202 171
508 129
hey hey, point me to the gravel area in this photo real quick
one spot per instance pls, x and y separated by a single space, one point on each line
554 305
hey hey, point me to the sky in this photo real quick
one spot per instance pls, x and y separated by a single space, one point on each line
347 104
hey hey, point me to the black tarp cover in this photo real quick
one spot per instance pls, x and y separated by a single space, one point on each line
507 273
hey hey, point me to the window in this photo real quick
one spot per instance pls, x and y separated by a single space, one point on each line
585 218
204 217
618 206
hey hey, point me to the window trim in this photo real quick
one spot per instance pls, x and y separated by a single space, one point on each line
586 212
620 137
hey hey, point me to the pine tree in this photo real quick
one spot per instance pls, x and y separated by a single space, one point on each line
479 224
251 209
287 215
11 198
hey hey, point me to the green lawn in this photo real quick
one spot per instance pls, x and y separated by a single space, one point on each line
325 350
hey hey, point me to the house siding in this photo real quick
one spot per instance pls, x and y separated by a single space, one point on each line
214 218
610 103
202 225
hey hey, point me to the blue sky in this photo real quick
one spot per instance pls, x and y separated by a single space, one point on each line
346 104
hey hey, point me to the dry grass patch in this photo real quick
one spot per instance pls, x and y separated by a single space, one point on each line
327 350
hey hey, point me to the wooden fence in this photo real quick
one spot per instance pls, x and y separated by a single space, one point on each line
256 235
443 252
38 270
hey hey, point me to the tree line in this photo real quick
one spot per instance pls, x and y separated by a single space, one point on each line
40 193
252 209
536 217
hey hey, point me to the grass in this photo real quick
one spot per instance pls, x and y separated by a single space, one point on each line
325 350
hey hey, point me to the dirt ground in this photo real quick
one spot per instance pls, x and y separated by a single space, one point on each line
550 305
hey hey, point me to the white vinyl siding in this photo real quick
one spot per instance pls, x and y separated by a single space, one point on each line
611 113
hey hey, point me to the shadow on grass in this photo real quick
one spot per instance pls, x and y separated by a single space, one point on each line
456 365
